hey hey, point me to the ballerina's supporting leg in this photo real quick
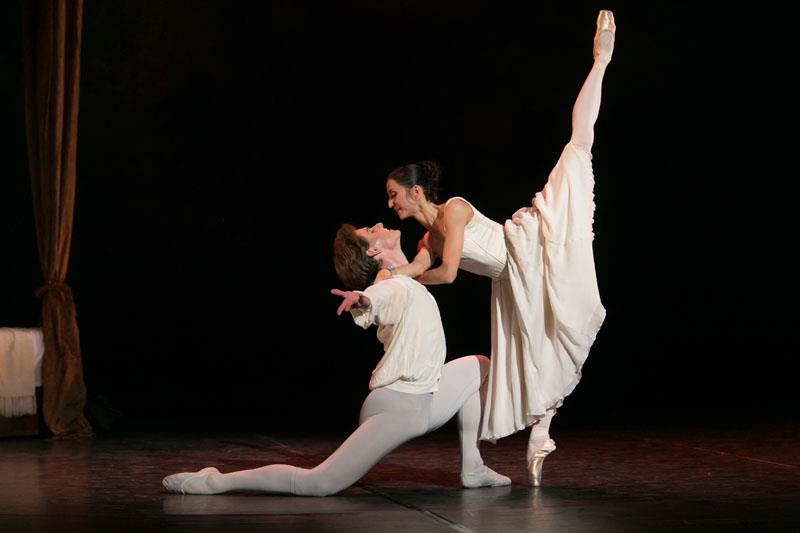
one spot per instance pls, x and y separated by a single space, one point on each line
540 445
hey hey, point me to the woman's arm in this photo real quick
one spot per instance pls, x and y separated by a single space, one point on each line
422 262
455 219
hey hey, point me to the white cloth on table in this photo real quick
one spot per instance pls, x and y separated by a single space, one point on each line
21 352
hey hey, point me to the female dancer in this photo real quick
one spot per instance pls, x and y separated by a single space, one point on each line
546 307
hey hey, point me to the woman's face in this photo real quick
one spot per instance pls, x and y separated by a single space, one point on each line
401 199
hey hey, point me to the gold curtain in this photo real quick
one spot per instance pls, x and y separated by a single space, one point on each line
51 57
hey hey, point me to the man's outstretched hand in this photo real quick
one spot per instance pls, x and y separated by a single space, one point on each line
350 299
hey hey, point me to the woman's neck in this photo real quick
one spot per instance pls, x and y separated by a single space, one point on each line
427 214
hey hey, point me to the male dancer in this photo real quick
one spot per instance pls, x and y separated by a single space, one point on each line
412 392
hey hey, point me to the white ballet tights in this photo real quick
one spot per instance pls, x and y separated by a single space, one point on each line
540 433
388 419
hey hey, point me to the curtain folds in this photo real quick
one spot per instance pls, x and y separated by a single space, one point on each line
51 57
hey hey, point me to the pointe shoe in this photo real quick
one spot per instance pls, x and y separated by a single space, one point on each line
604 37
180 483
535 464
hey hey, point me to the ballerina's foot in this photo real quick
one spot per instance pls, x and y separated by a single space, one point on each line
604 38
536 461
484 477
190 482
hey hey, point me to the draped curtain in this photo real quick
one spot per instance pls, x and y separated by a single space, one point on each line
51 57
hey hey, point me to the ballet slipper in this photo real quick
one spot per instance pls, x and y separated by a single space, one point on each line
484 477
190 482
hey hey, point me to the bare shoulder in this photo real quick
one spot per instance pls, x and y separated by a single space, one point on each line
457 210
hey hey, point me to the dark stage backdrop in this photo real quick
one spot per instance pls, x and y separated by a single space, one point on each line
222 143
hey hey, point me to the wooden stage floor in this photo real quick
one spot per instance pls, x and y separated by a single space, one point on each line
669 479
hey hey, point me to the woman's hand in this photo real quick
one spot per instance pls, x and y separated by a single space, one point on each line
350 299
383 274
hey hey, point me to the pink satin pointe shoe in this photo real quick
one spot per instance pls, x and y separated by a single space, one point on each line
604 37
535 464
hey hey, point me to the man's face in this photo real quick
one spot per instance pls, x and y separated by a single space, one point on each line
379 238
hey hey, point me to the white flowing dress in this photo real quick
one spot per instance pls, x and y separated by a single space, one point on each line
546 308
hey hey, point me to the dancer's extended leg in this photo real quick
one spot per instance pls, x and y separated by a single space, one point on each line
575 259
389 419
587 105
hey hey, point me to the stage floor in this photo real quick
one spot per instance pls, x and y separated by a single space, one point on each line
669 479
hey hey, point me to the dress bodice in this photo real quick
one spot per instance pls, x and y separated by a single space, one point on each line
484 251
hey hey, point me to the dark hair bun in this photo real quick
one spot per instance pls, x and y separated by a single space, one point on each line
426 174
431 172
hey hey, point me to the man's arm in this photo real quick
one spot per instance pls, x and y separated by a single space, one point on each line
382 304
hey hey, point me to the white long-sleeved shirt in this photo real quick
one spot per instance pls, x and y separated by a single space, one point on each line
410 328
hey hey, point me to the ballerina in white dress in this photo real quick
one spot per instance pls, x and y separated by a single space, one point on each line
546 308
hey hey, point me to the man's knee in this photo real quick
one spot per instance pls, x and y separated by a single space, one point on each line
485 364
469 367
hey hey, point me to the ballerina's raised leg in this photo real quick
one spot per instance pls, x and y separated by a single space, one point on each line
584 115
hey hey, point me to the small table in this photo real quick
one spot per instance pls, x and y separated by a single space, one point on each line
27 424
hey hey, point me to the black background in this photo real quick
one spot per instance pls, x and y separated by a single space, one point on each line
222 143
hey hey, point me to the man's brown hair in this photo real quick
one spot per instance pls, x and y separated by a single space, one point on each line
356 270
